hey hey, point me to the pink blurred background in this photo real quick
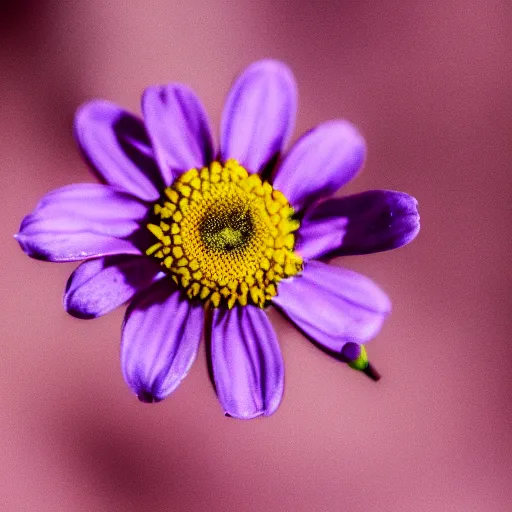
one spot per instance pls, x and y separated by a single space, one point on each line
428 83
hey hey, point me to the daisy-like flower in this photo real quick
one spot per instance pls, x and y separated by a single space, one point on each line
197 237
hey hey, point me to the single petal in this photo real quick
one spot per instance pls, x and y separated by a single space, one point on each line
178 127
161 334
246 361
98 286
332 305
321 162
82 221
373 221
116 145
259 115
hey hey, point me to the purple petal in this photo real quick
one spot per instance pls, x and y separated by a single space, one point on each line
80 222
247 365
178 127
373 221
161 334
332 306
116 145
98 286
321 162
259 115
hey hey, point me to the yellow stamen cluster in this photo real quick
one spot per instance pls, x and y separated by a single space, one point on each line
225 236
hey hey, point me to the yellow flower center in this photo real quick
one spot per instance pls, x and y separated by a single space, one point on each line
225 236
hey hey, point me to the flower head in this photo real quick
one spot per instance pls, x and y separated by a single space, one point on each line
194 236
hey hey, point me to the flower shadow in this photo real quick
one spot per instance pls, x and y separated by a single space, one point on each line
125 463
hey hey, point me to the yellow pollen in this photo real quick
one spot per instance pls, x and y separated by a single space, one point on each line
225 236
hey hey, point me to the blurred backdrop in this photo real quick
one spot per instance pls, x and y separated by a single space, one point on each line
428 84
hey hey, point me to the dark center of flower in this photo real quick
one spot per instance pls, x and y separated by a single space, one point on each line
227 231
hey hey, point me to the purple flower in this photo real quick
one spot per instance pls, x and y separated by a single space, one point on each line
193 236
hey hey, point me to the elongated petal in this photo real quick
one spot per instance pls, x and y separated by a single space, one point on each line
178 127
321 162
259 114
80 222
116 145
373 221
246 361
161 334
332 306
98 286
